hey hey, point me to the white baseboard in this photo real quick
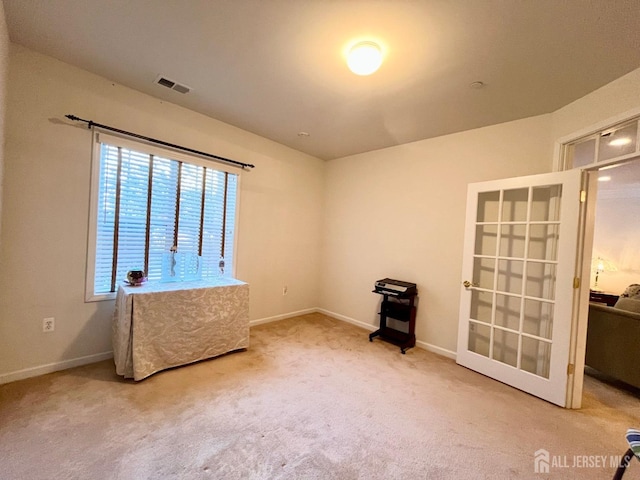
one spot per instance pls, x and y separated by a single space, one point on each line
98 357
344 318
275 318
424 345
435 349
53 367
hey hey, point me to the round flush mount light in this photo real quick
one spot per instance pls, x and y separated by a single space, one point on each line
477 85
364 58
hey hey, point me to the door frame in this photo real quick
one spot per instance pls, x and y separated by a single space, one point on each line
580 317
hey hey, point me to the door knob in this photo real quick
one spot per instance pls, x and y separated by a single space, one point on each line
468 284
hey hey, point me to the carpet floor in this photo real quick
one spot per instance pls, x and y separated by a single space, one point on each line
311 398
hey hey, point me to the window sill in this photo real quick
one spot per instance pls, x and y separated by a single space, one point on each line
90 298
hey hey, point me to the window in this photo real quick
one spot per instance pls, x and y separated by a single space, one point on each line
615 143
146 201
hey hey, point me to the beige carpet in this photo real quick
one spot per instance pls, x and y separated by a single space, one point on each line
311 398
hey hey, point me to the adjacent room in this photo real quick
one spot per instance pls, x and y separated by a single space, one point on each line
614 309
228 251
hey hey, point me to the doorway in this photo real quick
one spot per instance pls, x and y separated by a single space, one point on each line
615 260
613 328
609 146
499 264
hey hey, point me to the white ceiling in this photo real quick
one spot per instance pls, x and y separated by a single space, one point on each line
276 67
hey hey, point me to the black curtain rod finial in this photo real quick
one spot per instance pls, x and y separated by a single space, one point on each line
78 119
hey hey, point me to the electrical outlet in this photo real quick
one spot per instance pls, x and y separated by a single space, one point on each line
285 290
48 324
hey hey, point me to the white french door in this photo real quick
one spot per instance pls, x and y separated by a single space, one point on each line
518 281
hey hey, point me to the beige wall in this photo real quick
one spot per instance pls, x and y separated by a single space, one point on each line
4 64
616 237
47 166
399 213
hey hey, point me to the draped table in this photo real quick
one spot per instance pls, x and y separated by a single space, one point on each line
164 325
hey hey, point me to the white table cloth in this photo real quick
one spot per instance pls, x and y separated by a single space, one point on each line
164 325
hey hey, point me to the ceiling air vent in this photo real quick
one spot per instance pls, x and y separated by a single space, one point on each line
166 82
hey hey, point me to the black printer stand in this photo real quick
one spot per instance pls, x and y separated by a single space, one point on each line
402 308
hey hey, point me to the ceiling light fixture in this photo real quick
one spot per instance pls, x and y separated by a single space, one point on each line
604 178
364 58
620 141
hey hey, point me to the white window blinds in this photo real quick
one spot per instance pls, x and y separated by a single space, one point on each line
148 203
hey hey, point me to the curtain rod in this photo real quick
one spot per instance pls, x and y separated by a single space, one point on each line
91 123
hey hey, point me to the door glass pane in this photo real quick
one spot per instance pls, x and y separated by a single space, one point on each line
505 347
581 153
486 239
481 306
479 338
543 242
618 142
514 205
538 318
508 311
536 356
488 203
510 276
484 272
512 240
545 203
541 280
